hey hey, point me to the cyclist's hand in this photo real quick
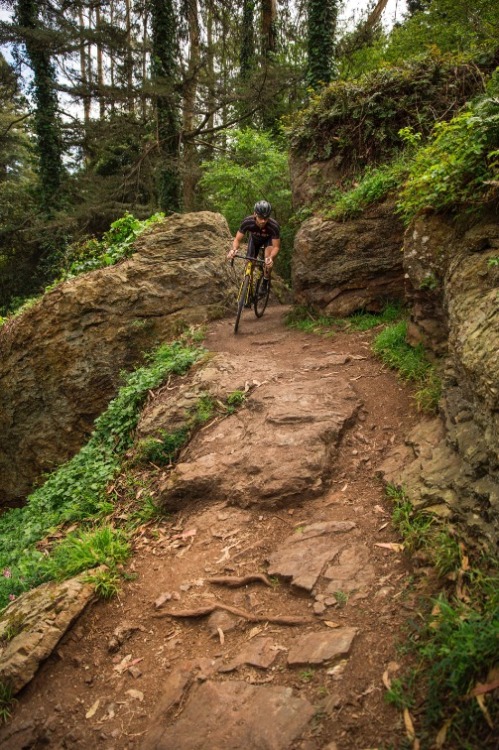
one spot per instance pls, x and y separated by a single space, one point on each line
269 262
231 254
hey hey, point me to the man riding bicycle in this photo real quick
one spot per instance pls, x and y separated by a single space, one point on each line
264 232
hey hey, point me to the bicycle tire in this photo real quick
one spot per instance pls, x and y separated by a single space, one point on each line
241 301
260 303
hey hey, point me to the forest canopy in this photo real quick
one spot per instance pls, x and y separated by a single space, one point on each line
130 107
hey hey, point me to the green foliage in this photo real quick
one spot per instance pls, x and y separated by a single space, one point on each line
115 245
360 121
391 346
321 27
456 649
307 320
80 551
459 168
411 363
77 491
375 185
253 167
413 527
6 701
106 583
235 400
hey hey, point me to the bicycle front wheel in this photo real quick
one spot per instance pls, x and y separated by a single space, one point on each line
261 297
243 295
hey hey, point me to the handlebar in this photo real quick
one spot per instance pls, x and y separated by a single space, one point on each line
247 257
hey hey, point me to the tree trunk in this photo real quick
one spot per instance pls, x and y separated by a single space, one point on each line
100 66
84 66
164 69
129 56
190 91
247 55
46 119
269 24
322 16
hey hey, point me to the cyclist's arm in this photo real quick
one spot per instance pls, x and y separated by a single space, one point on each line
271 251
235 244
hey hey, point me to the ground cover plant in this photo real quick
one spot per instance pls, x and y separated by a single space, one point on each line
453 644
77 493
306 319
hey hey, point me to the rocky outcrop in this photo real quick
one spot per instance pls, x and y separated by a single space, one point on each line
60 361
341 267
280 446
454 467
32 626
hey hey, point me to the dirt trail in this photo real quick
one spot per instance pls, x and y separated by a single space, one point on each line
130 675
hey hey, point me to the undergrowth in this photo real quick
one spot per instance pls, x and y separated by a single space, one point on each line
116 245
308 320
80 492
411 363
454 643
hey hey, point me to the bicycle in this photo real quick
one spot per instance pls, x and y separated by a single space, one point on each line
251 292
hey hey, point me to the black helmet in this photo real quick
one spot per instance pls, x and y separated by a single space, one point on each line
262 209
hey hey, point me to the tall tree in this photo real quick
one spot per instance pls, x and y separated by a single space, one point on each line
247 53
46 113
269 27
165 77
190 165
322 17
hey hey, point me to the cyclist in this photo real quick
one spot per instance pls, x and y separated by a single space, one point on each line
264 232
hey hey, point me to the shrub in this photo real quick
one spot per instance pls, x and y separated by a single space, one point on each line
459 168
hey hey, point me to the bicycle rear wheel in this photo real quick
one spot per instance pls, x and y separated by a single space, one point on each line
261 297
241 301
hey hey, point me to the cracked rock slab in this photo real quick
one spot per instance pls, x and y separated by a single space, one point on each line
234 716
303 555
280 446
321 647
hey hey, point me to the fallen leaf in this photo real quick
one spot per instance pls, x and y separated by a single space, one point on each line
383 526
254 631
135 694
386 680
409 726
221 635
442 734
331 624
91 711
378 509
393 546
480 699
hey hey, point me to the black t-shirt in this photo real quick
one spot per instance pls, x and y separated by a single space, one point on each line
261 235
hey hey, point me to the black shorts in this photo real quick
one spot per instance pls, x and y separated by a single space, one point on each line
256 244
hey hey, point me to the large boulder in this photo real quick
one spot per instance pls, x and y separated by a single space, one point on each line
343 266
60 361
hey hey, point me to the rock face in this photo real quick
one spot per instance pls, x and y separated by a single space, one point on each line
455 466
341 267
60 361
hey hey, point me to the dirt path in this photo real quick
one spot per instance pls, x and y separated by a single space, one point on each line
131 675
